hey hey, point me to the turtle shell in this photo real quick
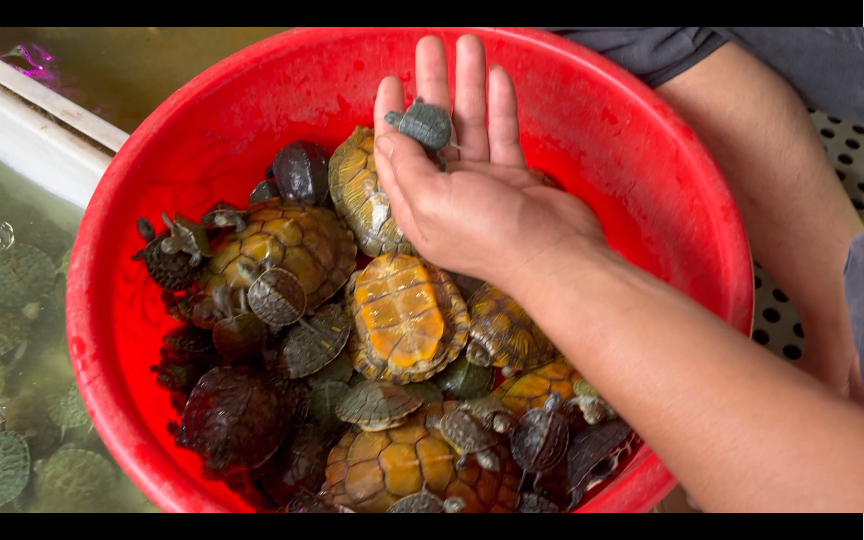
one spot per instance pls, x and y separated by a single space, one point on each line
14 465
310 242
306 350
301 171
323 404
14 328
428 124
590 448
465 433
531 389
503 335
26 273
377 405
339 370
171 272
27 413
540 440
298 464
69 411
240 336
189 340
233 420
369 472
360 200
277 297
410 320
74 480
426 391
532 503
464 380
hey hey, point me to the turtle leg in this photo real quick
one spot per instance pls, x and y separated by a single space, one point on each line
462 463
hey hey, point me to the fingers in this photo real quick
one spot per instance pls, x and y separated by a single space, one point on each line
469 110
514 177
404 165
504 145
391 97
432 86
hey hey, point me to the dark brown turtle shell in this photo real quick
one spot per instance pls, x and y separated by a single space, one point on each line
189 339
315 342
464 380
377 405
322 411
298 464
171 272
240 336
276 296
426 123
301 170
594 455
541 437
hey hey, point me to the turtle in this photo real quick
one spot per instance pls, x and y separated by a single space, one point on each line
467 436
241 335
593 407
503 335
311 345
540 440
224 214
426 391
188 237
300 170
463 380
377 405
428 124
234 420
491 412
69 411
180 373
27 414
14 464
369 472
534 503
595 454
170 272
322 410
532 388
65 263
189 340
74 480
426 502
276 296
297 399
467 285
14 331
339 370
311 242
298 464
356 378
360 200
306 502
264 191
7 236
410 320
26 274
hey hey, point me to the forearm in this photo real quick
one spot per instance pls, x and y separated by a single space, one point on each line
741 430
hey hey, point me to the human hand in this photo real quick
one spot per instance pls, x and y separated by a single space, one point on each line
487 216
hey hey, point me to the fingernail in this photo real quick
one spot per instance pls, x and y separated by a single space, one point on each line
384 143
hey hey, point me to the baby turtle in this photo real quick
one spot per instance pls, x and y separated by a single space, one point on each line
491 412
503 335
74 480
298 464
339 370
188 237
69 412
591 404
223 214
171 272
306 502
467 436
301 170
276 296
540 439
533 503
532 388
188 340
315 342
14 464
14 329
425 502
464 380
595 455
323 406
377 406
26 274
241 335
264 191
427 124
27 414
426 391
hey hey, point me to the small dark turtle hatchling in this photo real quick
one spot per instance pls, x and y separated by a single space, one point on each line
264 191
298 464
540 439
74 480
377 405
189 340
14 464
591 404
301 171
427 124
464 380
223 214
426 502
276 295
534 503
26 274
491 412
171 272
240 335
595 454
315 342
467 436
186 236
322 410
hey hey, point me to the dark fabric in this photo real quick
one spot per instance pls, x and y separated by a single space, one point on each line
853 274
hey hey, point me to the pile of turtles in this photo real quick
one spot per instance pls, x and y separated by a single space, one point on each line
310 383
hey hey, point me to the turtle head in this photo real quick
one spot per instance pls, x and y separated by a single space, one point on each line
503 423
488 460
454 505
146 230
394 119
477 355
7 236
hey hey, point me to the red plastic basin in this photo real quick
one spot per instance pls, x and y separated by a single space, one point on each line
606 137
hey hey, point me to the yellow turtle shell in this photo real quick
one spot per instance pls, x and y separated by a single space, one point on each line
409 317
359 199
530 389
309 241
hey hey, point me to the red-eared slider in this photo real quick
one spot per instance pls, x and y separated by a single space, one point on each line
237 335
69 411
531 389
410 320
14 465
533 503
234 420
276 296
298 464
590 403
595 455
540 439
377 405
308 241
339 370
223 214
300 170
464 380
186 236
74 480
171 272
491 412
14 329
467 436
325 396
369 472
426 391
425 502
26 274
503 335
427 124
189 340
315 342
360 200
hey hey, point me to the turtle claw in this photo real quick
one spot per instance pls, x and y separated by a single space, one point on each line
462 463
